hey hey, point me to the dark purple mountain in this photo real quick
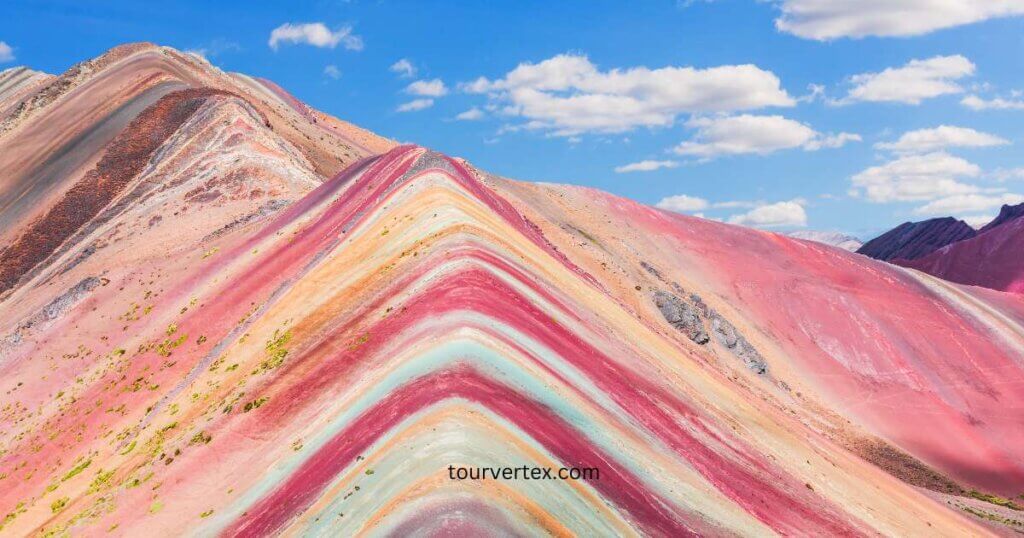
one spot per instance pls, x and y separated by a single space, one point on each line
912 240
1006 214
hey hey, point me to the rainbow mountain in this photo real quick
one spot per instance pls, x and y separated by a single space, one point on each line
225 313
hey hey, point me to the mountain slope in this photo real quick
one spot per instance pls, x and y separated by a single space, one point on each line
993 259
237 343
1007 213
16 83
59 131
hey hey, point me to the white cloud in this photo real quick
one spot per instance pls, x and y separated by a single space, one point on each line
332 71
215 48
316 34
831 141
968 203
404 68
428 88
943 136
568 95
645 166
814 93
762 215
735 204
974 102
6 52
915 178
977 221
415 105
470 115
735 135
911 83
682 203
831 19
779 214
1005 174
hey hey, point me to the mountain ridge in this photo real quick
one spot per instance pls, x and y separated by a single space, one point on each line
943 248
990 259
912 240
1006 214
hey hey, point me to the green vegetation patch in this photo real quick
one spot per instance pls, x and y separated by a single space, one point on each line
276 350
994 499
76 470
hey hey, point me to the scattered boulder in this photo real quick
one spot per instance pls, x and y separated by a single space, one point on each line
692 317
682 316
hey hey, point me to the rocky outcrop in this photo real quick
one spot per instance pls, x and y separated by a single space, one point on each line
912 240
693 317
51 312
15 84
681 315
725 333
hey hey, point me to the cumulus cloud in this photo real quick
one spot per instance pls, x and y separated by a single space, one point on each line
215 48
912 83
733 204
568 95
941 137
735 135
682 203
316 34
977 221
470 115
332 71
645 166
761 215
831 141
916 178
777 215
404 68
832 19
1006 174
6 52
968 203
415 105
428 88
974 102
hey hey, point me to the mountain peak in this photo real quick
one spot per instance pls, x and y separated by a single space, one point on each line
1006 214
912 240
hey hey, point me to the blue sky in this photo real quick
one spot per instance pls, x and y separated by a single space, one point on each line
787 114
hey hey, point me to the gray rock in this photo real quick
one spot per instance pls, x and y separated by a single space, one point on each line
682 316
691 318
52 311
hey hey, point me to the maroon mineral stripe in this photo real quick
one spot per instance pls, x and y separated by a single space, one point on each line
652 514
773 496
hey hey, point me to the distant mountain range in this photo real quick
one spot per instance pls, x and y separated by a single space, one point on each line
912 240
836 239
992 257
